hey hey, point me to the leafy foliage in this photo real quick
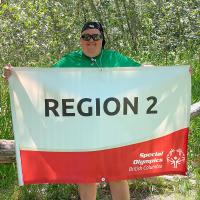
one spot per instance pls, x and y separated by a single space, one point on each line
37 33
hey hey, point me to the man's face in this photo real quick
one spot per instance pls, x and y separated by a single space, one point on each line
91 48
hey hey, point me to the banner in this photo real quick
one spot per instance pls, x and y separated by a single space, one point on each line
74 125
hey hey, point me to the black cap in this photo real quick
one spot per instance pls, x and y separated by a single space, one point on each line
94 25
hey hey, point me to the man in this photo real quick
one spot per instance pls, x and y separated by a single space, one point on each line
92 42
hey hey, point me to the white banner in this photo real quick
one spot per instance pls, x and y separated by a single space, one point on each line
85 110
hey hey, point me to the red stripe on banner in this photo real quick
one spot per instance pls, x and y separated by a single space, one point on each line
164 155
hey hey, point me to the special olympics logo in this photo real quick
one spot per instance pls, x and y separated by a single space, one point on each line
175 157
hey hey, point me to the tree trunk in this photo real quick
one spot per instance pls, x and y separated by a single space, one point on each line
195 110
7 151
131 23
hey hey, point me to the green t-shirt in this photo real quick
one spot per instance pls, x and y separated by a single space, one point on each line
107 58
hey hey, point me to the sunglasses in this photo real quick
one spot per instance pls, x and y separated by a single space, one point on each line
95 37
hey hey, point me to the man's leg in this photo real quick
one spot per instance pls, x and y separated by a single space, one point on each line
87 191
120 190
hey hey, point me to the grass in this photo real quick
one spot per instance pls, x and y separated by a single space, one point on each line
140 189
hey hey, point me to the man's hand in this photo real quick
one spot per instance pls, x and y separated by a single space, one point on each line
7 71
